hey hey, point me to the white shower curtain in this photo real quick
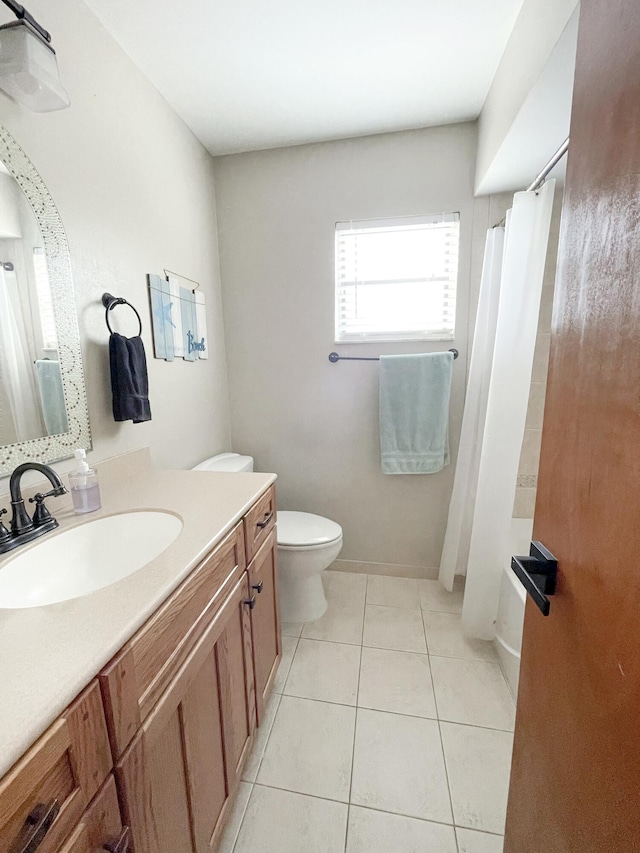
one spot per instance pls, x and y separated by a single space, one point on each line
458 536
16 372
496 454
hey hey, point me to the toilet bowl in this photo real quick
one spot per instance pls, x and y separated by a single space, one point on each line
307 545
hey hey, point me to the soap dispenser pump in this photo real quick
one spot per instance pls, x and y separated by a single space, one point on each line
85 490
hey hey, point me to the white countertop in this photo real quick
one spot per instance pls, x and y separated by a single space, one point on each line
49 654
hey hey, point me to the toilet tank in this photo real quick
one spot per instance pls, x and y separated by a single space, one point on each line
229 462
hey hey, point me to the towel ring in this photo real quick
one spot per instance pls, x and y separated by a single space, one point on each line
110 302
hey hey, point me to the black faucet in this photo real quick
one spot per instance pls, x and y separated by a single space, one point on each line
24 528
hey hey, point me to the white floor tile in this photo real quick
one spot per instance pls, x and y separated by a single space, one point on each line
393 592
283 822
398 766
342 623
310 749
394 628
478 764
478 842
370 831
292 629
345 587
289 645
326 671
232 828
472 692
399 682
262 736
445 638
433 596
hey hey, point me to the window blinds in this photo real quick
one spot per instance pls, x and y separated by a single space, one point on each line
396 279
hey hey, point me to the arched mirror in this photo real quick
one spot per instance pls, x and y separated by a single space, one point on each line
43 403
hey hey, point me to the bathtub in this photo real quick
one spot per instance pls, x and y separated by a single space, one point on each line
508 640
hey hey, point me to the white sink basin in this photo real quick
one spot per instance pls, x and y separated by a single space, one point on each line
85 558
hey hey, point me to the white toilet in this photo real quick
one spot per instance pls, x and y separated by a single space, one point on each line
307 545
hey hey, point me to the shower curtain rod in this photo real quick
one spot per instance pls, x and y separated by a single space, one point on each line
540 178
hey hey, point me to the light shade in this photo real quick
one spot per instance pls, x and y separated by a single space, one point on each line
29 69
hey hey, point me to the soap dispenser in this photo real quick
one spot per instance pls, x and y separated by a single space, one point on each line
85 490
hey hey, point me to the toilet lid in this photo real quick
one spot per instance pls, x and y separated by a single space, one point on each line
303 528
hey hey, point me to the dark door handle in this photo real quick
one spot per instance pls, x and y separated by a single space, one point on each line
538 574
267 518
36 827
119 844
250 602
258 587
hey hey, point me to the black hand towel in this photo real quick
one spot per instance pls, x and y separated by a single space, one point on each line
129 379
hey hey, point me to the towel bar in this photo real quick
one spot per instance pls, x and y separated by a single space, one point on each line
334 356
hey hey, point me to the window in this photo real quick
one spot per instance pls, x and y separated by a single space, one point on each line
396 278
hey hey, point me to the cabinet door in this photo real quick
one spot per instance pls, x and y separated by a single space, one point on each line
265 620
177 777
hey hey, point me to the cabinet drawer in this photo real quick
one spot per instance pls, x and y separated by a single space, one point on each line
136 678
259 521
100 827
68 764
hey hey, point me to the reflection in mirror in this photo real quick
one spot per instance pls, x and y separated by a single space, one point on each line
31 395
43 400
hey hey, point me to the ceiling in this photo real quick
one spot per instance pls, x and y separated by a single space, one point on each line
246 75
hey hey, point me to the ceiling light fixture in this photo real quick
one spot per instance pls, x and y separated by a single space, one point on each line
28 65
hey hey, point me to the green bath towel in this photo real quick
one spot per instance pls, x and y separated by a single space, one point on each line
414 412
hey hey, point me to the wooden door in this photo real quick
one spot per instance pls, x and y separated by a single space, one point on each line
575 783
265 620
177 778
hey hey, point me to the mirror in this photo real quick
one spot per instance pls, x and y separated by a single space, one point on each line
43 406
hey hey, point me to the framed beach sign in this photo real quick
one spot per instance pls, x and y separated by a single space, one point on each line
179 318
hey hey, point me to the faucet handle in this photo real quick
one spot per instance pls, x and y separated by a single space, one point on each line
4 533
54 493
41 514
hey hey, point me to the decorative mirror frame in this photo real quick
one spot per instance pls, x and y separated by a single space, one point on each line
51 448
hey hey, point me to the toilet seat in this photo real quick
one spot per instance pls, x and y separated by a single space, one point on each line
306 531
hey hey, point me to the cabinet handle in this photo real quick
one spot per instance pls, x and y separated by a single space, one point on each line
258 587
119 844
36 826
250 602
267 518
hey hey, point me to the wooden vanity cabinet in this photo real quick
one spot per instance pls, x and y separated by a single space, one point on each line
265 620
177 778
149 757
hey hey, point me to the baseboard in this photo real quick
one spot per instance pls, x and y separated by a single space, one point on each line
396 570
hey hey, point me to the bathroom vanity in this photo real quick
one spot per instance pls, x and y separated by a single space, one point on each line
149 755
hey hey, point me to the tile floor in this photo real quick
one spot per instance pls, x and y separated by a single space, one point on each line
388 731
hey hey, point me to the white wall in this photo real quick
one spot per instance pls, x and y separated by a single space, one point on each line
135 191
315 423
536 33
